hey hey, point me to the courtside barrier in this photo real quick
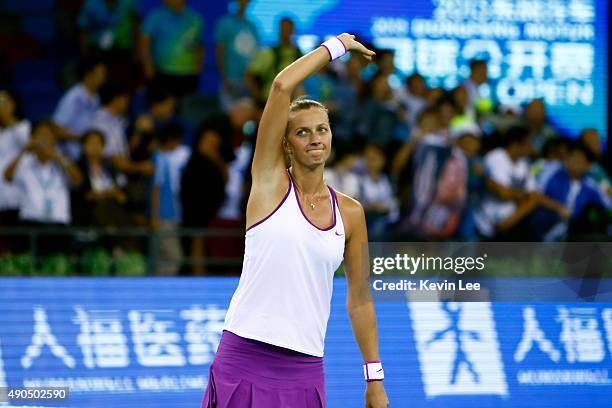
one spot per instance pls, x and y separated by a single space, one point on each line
148 342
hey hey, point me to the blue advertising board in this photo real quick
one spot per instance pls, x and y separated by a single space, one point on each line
551 49
148 342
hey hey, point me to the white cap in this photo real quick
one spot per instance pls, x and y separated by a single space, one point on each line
465 127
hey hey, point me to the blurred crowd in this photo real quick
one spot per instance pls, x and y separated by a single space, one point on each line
121 147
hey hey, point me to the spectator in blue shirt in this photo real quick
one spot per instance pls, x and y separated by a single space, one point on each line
76 109
165 206
570 183
237 43
172 46
161 107
592 140
511 199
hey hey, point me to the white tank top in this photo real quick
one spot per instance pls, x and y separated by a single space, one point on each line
284 294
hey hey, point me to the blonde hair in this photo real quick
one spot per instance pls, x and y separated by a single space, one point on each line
303 103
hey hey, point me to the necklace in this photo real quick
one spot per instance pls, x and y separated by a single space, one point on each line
310 202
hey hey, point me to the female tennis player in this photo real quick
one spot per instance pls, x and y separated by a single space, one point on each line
299 231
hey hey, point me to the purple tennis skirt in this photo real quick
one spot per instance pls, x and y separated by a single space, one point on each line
250 374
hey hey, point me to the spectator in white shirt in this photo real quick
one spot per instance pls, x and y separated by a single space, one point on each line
110 121
478 77
511 195
14 135
414 96
376 193
76 109
100 198
43 177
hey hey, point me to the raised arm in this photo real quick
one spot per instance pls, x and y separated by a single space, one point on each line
268 156
9 172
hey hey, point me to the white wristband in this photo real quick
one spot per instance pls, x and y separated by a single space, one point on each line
373 371
335 47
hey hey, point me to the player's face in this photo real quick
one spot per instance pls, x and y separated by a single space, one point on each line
309 137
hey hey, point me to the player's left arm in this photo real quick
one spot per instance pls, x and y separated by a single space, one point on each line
359 302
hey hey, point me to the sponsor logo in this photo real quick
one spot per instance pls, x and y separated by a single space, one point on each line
457 348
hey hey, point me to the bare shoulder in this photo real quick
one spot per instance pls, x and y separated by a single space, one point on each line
352 213
348 205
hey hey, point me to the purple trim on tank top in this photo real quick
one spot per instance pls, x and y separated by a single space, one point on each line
331 192
277 207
